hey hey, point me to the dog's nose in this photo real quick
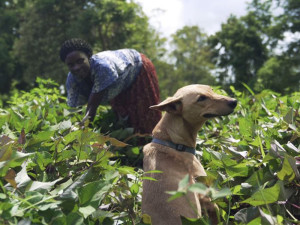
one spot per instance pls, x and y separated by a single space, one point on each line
232 103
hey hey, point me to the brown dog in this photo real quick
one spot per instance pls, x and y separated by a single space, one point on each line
172 148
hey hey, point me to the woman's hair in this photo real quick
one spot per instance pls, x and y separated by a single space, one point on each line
75 44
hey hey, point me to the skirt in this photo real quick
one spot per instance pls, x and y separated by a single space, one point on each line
135 101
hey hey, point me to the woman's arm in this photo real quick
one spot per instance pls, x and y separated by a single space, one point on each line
93 103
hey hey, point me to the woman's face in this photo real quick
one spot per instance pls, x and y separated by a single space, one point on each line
78 64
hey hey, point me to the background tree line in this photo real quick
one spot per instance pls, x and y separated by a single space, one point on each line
260 49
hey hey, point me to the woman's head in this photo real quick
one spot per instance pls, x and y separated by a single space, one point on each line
75 44
76 54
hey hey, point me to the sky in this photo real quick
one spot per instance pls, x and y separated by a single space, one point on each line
167 16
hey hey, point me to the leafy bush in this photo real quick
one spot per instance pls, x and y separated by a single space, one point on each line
54 171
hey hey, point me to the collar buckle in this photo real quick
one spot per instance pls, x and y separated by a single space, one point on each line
180 147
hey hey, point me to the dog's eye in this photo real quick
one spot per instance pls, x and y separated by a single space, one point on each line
202 98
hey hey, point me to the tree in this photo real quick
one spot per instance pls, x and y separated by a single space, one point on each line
9 23
281 71
248 49
239 51
191 59
106 24
45 25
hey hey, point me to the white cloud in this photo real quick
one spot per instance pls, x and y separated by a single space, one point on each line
207 14
165 15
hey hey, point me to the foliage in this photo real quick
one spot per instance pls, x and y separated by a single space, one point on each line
9 24
54 171
191 54
239 51
260 49
106 25
246 48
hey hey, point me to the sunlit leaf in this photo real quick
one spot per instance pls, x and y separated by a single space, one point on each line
199 188
192 221
289 169
224 192
37 185
69 192
87 210
245 126
175 195
40 137
264 196
148 178
134 189
183 184
267 219
93 193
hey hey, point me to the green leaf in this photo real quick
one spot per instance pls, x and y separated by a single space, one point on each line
37 185
175 195
100 213
69 192
248 88
41 137
24 222
126 170
293 148
199 188
154 171
134 189
190 221
87 210
289 117
22 179
6 152
245 126
264 196
239 170
74 219
256 221
183 184
62 126
267 219
148 178
43 159
4 117
289 169
71 136
247 214
224 192
93 193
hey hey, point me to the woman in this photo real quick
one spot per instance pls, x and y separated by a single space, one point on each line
125 78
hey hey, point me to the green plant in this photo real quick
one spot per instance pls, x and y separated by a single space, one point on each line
54 171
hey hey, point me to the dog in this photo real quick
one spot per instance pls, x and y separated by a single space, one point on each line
172 152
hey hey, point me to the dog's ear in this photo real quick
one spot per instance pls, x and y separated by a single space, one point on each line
170 105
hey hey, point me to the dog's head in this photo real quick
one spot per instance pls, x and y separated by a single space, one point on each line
197 103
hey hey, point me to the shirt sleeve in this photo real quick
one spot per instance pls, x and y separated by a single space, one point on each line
74 97
104 75
72 91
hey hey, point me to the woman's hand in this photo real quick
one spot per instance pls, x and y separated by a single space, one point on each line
93 103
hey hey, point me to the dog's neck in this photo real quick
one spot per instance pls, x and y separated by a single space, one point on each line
175 129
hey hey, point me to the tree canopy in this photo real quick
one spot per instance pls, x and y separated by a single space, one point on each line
260 49
249 49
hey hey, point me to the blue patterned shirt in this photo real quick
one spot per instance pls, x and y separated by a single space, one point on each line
111 72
